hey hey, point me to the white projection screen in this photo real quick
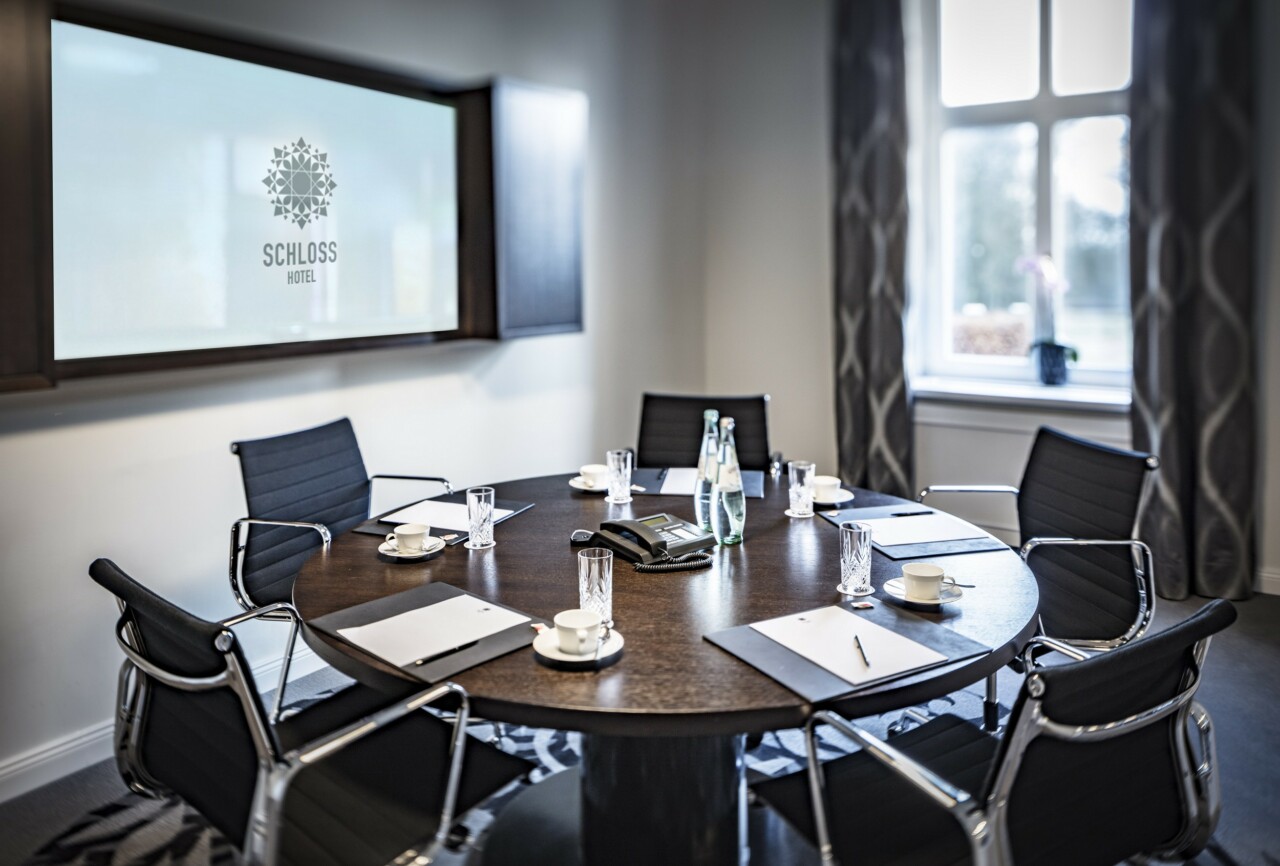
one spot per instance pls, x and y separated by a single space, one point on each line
202 202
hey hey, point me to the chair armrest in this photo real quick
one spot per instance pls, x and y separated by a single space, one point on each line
1206 770
955 800
1028 651
1144 575
966 488
233 567
323 747
277 610
437 479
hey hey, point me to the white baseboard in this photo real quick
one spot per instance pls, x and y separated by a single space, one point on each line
67 754
1268 581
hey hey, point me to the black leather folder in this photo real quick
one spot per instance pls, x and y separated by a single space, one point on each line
377 525
651 480
815 683
912 551
441 667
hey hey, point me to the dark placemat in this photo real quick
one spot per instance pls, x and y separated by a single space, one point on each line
377 526
499 644
651 481
983 544
815 683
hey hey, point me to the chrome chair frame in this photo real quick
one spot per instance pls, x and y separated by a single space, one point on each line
985 824
241 592
1143 565
276 771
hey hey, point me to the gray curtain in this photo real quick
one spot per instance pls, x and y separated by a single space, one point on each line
1192 268
873 411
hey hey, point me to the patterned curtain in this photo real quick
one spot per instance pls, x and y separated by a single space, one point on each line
873 409
1192 269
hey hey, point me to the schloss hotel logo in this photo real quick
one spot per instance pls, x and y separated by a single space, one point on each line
300 184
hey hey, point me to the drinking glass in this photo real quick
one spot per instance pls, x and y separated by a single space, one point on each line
619 463
595 582
480 514
800 473
855 558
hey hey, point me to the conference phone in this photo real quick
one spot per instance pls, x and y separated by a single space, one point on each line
659 542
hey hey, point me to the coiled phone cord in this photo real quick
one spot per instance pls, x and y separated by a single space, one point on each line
686 562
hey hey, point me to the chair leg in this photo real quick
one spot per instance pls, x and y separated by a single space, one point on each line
278 704
991 705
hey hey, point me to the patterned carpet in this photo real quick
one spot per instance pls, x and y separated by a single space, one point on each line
135 831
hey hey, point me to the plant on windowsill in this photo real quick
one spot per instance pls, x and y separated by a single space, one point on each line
1051 356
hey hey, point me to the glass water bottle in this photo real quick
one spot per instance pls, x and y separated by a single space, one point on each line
708 457
728 502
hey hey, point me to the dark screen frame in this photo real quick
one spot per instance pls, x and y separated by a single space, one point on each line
277 55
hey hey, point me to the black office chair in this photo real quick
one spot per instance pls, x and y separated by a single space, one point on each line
356 778
1097 766
671 430
1078 507
301 489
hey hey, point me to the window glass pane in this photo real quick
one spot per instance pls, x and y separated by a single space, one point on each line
1092 45
990 51
988 223
1091 238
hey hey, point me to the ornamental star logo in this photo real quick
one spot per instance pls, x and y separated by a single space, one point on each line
300 183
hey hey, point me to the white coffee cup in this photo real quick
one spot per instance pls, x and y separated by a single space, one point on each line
578 630
826 487
409 537
595 474
924 581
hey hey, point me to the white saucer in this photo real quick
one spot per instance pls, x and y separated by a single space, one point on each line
842 496
579 483
791 513
547 646
894 588
432 545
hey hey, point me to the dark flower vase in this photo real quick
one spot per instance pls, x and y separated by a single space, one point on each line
1052 361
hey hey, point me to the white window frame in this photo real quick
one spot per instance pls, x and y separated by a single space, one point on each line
1044 110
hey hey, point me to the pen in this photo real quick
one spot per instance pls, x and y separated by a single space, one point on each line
441 655
910 513
858 643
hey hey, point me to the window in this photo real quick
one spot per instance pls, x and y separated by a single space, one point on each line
1024 199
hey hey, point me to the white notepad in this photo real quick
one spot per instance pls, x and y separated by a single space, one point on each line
825 637
920 528
439 515
679 482
428 631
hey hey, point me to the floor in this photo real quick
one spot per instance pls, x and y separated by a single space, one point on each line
1241 689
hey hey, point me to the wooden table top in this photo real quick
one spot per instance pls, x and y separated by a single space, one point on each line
669 681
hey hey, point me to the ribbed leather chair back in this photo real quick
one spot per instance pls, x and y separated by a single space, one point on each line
671 429
1077 803
196 744
316 476
1073 488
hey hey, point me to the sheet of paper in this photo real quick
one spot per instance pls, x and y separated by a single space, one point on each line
427 631
825 637
439 515
918 528
679 482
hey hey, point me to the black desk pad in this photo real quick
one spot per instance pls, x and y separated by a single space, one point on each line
377 526
483 650
913 551
651 481
815 683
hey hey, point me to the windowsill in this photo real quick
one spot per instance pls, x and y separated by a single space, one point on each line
1079 398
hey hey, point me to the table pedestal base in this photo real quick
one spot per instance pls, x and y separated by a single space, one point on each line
643 801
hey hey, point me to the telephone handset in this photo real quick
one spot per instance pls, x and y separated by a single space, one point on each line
659 538
633 540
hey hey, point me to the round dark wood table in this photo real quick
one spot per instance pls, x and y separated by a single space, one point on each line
661 778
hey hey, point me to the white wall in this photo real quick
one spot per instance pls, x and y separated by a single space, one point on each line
137 468
768 217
